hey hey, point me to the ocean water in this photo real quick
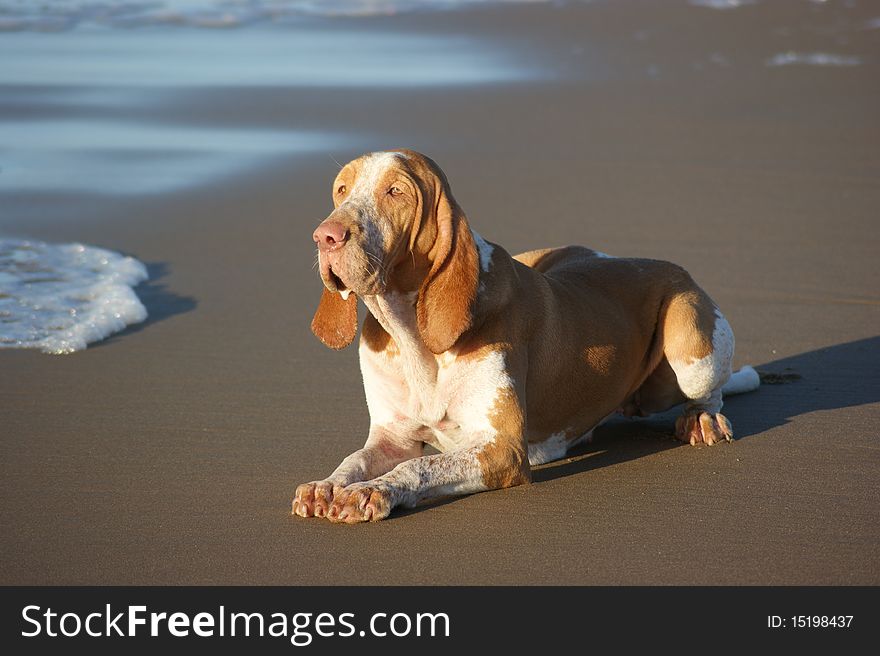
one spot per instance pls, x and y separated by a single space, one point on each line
87 109
60 297
57 15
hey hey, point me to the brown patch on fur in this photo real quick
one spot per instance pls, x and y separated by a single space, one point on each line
377 338
504 462
444 306
688 321
335 321
477 347
600 358
543 259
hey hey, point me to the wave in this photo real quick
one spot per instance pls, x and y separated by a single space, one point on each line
60 297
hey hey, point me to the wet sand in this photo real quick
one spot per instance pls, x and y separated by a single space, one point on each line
168 454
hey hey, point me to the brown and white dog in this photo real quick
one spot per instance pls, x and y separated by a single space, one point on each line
498 362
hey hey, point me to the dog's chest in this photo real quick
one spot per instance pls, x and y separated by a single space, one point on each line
435 391
448 398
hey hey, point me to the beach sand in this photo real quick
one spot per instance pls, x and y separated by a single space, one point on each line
169 453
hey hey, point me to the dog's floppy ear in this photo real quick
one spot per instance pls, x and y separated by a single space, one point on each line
335 322
444 309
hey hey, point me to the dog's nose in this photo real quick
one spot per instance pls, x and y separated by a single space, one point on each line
330 235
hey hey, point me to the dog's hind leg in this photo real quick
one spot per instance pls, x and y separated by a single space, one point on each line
698 344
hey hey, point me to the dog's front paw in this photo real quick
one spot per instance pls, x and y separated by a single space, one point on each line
314 499
361 502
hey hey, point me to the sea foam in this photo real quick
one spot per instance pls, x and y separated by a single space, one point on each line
60 297
812 59
722 4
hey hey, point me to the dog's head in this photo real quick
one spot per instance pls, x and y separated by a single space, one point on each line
395 227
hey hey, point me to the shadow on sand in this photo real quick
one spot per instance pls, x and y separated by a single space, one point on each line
841 376
159 301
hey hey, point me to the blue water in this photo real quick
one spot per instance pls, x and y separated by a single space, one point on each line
314 56
76 107
56 15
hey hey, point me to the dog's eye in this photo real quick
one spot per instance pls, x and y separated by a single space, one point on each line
395 191
342 189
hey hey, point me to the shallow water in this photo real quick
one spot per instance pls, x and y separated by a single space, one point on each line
125 157
60 297
75 106
304 55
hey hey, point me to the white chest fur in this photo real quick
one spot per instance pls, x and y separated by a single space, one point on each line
446 399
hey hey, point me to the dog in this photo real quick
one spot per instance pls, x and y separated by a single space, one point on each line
498 362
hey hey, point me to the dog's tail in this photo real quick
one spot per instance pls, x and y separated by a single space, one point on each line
744 380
